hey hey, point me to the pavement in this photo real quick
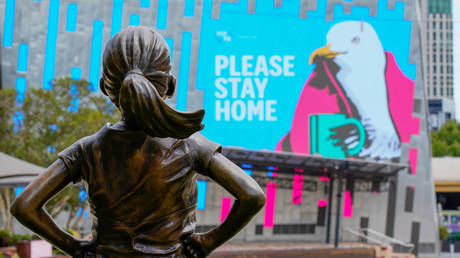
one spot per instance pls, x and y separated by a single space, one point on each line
262 246
447 255
443 255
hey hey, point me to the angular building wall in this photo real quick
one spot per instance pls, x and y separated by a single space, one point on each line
42 40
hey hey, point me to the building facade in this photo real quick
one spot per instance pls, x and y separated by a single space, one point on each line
439 62
261 102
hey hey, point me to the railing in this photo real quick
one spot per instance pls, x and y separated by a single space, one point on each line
376 237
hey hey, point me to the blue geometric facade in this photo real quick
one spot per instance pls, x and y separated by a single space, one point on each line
46 39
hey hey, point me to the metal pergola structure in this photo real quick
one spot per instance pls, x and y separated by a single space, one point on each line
313 165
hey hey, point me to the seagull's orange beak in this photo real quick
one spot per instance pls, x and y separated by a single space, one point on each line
323 52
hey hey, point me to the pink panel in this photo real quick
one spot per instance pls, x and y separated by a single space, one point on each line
347 206
225 209
401 99
40 248
297 187
413 156
324 178
275 174
322 203
270 205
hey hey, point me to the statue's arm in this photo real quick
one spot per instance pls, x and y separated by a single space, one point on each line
249 199
28 207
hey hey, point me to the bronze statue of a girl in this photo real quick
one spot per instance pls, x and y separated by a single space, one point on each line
140 173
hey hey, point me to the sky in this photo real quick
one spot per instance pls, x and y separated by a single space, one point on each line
456 28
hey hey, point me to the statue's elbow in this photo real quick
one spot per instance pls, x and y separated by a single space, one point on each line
18 208
261 200
257 200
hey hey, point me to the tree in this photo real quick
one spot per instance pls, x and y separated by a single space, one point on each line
45 122
446 142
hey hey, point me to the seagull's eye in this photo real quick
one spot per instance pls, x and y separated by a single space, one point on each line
355 40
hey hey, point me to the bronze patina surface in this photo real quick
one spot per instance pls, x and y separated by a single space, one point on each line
140 173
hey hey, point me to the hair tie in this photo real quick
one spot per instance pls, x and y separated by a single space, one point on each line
135 71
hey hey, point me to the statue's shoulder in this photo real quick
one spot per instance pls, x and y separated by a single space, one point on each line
75 150
202 149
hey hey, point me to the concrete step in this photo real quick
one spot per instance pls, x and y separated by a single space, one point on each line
401 255
324 253
301 250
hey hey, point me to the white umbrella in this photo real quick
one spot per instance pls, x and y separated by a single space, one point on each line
17 172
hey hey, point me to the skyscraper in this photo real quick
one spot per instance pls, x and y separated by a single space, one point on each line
439 62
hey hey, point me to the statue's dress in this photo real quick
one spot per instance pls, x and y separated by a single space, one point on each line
142 190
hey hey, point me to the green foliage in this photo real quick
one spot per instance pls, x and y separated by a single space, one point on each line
43 111
20 237
5 237
73 233
9 239
443 233
454 236
446 142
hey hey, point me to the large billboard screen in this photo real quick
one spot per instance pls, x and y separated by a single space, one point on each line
339 86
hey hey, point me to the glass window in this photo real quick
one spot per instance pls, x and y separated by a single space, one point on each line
434 58
434 68
442 69
434 91
434 35
441 91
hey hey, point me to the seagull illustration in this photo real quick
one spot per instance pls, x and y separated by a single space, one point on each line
353 75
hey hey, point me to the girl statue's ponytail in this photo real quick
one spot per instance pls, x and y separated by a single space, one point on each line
141 103
136 77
